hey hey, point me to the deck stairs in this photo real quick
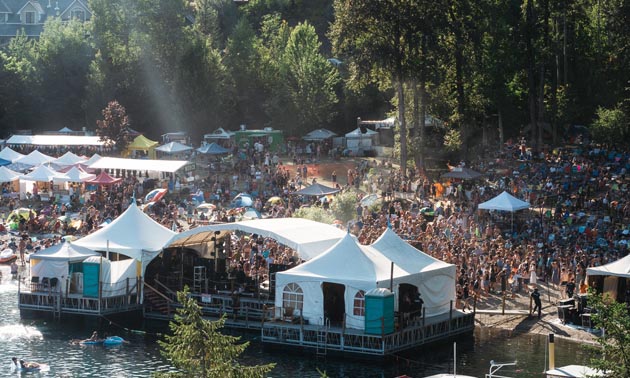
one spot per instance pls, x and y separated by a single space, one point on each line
156 302
322 338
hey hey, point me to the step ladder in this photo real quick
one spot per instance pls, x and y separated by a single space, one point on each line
322 338
199 278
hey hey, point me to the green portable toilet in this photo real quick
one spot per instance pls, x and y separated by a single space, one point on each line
379 312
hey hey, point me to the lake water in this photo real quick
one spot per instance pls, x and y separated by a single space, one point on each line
48 341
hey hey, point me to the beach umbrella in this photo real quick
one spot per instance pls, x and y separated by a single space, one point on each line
242 200
155 195
369 199
275 200
252 213
204 206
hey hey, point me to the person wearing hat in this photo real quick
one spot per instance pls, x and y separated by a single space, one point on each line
537 303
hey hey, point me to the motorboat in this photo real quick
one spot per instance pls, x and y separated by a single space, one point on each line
7 256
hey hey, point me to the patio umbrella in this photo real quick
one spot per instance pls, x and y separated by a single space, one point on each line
275 200
369 200
251 213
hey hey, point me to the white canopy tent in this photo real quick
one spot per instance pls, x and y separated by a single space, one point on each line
76 174
42 174
319 134
133 234
65 130
174 148
93 159
10 155
307 237
68 158
504 202
35 158
611 274
55 140
7 175
219 133
138 164
54 262
358 268
358 141
434 278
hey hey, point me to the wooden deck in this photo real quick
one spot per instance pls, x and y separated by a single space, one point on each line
53 300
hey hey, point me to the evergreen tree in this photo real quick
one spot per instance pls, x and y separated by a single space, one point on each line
197 348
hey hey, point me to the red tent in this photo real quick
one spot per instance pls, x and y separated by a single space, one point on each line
104 179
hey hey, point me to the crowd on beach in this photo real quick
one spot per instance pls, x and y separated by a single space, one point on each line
579 218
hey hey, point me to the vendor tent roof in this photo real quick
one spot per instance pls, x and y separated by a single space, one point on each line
219 133
10 155
7 175
356 133
42 174
307 237
462 173
103 179
4 162
64 251
139 164
504 202
35 158
619 268
142 143
68 158
56 140
76 174
93 159
132 234
174 147
316 189
213 149
66 130
319 134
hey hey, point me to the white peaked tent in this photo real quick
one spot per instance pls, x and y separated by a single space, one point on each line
356 133
35 158
10 155
434 278
619 268
133 234
219 133
347 263
173 148
68 159
7 175
612 272
76 174
66 130
55 261
319 134
93 159
42 174
504 202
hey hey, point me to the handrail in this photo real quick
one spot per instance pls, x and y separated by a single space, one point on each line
168 290
158 293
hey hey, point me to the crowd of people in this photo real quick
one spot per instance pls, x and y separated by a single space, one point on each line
579 217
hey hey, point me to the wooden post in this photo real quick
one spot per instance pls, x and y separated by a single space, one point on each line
424 315
450 316
503 305
475 304
530 305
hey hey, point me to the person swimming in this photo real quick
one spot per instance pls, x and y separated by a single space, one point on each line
25 365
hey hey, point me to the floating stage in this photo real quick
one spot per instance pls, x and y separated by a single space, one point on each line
260 316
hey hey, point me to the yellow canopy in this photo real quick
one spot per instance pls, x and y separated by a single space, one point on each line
142 143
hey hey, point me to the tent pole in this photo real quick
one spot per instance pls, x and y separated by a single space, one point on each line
391 278
107 251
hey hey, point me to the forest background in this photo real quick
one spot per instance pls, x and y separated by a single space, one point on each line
490 69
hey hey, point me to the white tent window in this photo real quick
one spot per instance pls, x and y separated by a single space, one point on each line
359 304
293 296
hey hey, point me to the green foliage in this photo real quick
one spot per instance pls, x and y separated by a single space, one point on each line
613 354
452 140
113 129
344 206
611 126
197 348
314 213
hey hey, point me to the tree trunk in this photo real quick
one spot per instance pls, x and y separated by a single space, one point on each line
531 69
403 124
423 116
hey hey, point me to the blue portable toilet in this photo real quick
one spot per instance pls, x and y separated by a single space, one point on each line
379 312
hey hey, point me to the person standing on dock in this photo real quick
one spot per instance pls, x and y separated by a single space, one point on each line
537 303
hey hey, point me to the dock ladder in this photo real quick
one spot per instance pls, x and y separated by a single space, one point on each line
199 278
322 338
